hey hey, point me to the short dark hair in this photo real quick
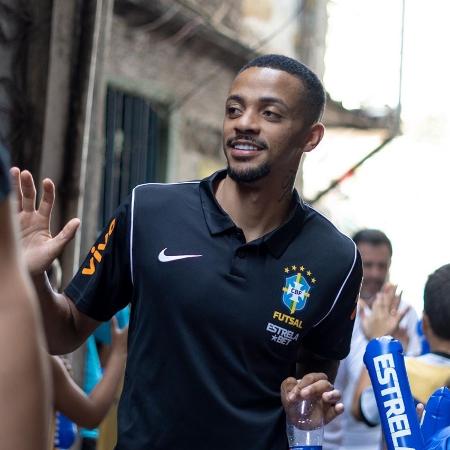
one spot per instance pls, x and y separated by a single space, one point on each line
436 298
314 95
372 237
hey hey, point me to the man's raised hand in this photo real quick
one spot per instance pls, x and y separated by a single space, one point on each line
39 247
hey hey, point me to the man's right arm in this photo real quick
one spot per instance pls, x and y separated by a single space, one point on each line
66 328
97 291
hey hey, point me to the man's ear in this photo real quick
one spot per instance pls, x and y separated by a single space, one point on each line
315 135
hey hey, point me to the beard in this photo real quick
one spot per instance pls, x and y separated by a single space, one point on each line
248 175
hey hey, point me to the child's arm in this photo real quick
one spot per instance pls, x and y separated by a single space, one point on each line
89 410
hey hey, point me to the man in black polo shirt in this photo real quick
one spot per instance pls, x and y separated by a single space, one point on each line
236 285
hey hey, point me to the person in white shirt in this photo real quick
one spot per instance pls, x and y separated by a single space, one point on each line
376 253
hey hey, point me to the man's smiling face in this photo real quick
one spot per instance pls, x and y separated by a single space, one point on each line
264 128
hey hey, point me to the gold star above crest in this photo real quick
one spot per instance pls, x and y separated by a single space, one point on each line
313 280
302 268
286 269
294 267
308 273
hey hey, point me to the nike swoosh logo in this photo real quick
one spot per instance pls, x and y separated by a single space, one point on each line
167 258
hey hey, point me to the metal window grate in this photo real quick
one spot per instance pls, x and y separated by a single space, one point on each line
135 150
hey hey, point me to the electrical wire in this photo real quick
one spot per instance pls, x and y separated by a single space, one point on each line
396 131
350 172
161 20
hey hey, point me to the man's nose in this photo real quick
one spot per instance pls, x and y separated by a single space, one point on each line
248 123
373 272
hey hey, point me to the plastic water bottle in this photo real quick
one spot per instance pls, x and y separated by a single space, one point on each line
305 430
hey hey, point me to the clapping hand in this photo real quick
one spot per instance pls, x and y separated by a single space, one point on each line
385 316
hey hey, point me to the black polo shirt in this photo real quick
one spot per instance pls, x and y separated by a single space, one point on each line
4 173
216 323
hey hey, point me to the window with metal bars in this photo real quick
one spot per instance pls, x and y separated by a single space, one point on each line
135 147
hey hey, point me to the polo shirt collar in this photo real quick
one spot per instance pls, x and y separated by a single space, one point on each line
279 239
218 221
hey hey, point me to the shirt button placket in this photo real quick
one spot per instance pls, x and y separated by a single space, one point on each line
238 265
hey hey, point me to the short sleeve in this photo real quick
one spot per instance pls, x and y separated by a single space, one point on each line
4 174
331 337
102 285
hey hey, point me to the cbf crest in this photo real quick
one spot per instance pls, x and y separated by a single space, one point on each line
297 288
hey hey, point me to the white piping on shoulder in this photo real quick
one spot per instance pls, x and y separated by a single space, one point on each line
132 217
131 236
340 290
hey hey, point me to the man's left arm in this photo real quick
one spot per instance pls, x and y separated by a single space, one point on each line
323 347
311 362
330 337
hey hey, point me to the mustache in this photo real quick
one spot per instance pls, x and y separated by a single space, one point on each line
246 137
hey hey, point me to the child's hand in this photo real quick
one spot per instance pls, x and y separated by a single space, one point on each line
119 339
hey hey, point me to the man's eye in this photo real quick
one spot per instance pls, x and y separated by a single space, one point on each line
233 111
271 115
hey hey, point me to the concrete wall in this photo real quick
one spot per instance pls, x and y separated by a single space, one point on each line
274 22
189 78
10 28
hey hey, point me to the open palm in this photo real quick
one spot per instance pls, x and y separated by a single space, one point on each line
39 247
386 314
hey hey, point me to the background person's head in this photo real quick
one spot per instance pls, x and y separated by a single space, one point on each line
376 252
436 317
272 117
